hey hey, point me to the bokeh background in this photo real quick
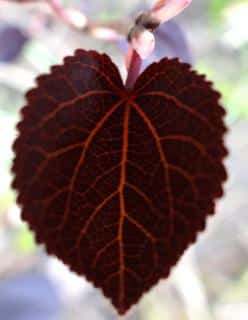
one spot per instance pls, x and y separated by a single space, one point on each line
211 280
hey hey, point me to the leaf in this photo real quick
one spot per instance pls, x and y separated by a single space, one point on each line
117 183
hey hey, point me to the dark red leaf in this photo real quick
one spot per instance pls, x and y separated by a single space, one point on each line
117 183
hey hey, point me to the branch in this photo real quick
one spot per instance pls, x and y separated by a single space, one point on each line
78 21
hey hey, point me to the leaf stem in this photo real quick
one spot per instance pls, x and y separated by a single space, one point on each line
133 69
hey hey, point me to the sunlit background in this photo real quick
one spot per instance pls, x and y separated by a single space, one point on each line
211 280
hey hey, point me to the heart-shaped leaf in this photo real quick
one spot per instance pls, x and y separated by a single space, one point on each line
117 182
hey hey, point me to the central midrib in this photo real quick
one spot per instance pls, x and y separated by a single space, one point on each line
122 204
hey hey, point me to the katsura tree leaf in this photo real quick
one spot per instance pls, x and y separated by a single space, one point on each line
115 182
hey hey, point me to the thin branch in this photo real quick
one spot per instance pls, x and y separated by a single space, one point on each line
78 21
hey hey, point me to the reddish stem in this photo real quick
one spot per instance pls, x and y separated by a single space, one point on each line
133 69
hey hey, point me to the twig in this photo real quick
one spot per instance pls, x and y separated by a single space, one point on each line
72 17
78 21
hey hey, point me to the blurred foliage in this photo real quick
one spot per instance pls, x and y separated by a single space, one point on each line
234 97
24 241
9 50
9 100
228 69
39 55
238 290
217 7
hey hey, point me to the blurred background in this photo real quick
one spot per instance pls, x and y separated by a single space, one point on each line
211 280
